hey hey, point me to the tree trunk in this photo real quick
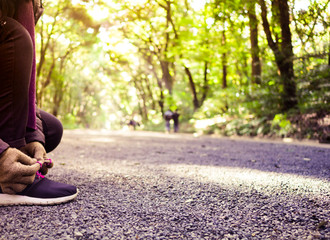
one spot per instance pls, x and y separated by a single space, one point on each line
283 53
256 65
142 98
193 88
224 70
165 64
167 78
205 86
161 102
150 93
58 96
224 61
290 99
159 82
329 52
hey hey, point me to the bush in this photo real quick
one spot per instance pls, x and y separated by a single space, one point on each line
281 126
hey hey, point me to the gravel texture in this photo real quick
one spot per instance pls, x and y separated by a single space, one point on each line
144 185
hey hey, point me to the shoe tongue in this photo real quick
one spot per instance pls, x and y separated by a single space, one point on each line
36 180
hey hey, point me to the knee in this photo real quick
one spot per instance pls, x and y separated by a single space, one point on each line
53 135
58 128
15 32
53 130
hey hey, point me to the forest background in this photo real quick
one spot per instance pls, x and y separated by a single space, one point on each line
231 67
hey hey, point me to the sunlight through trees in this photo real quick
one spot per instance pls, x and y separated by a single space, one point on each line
102 62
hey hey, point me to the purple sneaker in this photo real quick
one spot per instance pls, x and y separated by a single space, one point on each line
41 192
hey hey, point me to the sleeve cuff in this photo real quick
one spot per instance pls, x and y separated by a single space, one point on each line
35 135
3 146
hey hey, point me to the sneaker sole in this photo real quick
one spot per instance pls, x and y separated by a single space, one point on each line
8 200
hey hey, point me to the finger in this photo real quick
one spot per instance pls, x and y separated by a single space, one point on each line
44 170
41 161
7 189
24 170
26 160
19 171
39 153
12 188
49 163
19 187
25 179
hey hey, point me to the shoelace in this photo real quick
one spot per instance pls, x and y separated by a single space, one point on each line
39 174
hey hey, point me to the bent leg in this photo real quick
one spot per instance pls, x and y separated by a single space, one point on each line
53 130
168 125
15 70
176 126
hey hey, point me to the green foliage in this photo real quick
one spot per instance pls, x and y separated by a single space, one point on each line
265 99
281 125
69 121
314 89
101 63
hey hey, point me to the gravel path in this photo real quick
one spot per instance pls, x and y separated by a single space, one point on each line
144 185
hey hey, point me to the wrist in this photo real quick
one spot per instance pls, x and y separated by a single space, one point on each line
4 152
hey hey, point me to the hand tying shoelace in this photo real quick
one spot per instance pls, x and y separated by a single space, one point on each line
39 174
41 192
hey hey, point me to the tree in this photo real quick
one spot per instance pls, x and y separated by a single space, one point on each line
113 59
282 48
169 21
255 51
61 34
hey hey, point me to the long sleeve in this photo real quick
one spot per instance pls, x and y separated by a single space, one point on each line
36 135
3 146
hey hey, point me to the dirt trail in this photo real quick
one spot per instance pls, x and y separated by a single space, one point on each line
146 185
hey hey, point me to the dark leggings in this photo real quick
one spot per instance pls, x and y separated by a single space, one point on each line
16 56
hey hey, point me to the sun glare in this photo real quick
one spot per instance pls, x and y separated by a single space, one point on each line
301 4
139 2
98 13
198 4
